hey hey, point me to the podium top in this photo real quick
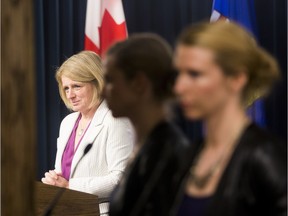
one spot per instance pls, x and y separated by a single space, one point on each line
70 202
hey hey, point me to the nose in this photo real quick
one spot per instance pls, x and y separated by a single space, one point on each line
70 94
179 85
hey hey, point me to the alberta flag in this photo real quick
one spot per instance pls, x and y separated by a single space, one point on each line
105 24
242 12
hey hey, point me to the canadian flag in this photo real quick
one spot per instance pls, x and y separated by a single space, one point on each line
105 24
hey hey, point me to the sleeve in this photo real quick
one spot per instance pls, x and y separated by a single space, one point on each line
119 145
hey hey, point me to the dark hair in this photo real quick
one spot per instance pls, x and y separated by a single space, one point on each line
235 50
146 53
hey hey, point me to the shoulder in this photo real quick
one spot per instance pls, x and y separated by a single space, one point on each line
104 116
68 122
70 118
260 141
116 128
266 166
264 156
111 122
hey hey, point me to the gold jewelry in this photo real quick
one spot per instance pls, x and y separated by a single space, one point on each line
201 181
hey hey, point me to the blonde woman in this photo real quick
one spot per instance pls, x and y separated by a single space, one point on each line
95 169
238 168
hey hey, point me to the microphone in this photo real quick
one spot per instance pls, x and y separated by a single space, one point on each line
87 149
52 204
58 195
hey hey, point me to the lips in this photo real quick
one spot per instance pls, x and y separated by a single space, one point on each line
74 103
184 104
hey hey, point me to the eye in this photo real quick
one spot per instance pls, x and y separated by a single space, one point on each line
77 87
194 73
66 89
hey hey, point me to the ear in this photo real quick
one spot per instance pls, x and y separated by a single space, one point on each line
238 82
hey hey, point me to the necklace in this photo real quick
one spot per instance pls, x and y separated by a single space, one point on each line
81 132
201 181
81 128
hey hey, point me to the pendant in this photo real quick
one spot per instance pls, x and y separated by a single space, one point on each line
200 182
80 132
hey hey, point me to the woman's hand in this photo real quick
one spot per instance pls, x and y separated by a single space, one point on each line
56 179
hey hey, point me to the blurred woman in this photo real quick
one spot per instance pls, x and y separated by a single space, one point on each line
139 80
238 168
93 146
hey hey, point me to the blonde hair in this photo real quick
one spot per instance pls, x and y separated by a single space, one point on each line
85 67
235 51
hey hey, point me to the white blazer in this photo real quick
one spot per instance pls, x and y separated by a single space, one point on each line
100 169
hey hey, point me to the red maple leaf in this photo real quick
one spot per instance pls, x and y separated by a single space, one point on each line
89 45
110 32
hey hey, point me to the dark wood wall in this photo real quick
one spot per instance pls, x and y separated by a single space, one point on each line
18 131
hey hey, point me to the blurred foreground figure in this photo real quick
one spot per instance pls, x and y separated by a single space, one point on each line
238 168
139 78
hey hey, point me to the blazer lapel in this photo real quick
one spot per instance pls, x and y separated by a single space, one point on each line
91 134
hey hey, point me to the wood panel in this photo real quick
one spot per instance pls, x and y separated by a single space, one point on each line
18 134
64 201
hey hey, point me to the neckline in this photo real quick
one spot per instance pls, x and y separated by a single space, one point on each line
231 157
192 197
83 134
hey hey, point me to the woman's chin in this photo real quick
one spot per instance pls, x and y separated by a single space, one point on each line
192 115
76 109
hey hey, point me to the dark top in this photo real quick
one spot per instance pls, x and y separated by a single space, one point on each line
255 180
194 206
153 179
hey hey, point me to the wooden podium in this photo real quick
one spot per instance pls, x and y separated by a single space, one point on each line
70 202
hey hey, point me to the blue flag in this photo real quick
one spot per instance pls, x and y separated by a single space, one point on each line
243 13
